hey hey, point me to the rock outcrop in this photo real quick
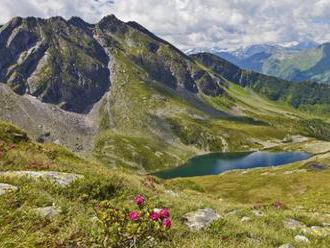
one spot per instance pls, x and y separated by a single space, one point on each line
60 178
200 219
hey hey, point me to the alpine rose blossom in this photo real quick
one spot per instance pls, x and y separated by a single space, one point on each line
154 216
134 215
164 213
167 223
139 200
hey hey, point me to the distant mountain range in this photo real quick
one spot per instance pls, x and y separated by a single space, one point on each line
295 62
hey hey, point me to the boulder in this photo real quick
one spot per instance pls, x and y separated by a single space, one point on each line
258 213
5 188
200 219
293 224
48 212
245 219
286 246
301 238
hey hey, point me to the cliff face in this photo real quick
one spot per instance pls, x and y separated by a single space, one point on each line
66 62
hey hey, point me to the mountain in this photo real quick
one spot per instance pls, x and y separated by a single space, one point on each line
90 111
306 93
120 94
299 62
252 57
310 64
66 68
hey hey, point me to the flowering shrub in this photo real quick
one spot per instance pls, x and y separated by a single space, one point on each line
139 227
278 205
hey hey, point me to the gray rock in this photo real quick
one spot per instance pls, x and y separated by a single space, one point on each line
293 224
200 219
48 212
6 188
258 213
245 219
232 213
60 178
317 166
301 238
286 246
172 193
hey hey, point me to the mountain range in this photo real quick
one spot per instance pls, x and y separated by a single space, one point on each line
89 113
299 62
108 87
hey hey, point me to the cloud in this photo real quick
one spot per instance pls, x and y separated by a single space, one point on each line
198 23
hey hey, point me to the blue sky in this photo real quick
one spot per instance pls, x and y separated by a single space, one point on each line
197 23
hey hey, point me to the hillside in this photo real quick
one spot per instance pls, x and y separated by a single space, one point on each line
116 92
309 62
237 198
303 95
99 107
41 212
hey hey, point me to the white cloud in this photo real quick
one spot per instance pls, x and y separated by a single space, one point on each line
198 23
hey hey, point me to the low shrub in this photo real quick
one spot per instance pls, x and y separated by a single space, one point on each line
141 226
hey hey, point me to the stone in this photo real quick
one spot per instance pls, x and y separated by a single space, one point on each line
293 224
317 166
200 219
301 238
60 178
286 246
232 213
47 212
245 219
258 213
6 188
171 193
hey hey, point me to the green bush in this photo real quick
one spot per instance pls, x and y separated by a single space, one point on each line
95 188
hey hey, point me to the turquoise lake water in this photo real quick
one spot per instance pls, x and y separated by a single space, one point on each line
216 163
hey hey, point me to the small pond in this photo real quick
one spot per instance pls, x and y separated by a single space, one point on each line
216 163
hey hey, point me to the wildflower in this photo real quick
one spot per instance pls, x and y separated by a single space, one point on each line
134 215
164 213
12 146
139 200
278 205
167 223
154 216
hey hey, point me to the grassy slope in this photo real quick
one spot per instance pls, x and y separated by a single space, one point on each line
226 193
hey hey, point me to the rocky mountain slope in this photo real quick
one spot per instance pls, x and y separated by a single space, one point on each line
298 63
310 64
128 98
297 95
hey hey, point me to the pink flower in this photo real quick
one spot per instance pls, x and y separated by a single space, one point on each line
164 213
134 215
139 200
167 223
154 216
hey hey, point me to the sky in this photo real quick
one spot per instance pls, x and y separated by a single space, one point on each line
197 23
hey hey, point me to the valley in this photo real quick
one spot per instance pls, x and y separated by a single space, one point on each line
110 103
